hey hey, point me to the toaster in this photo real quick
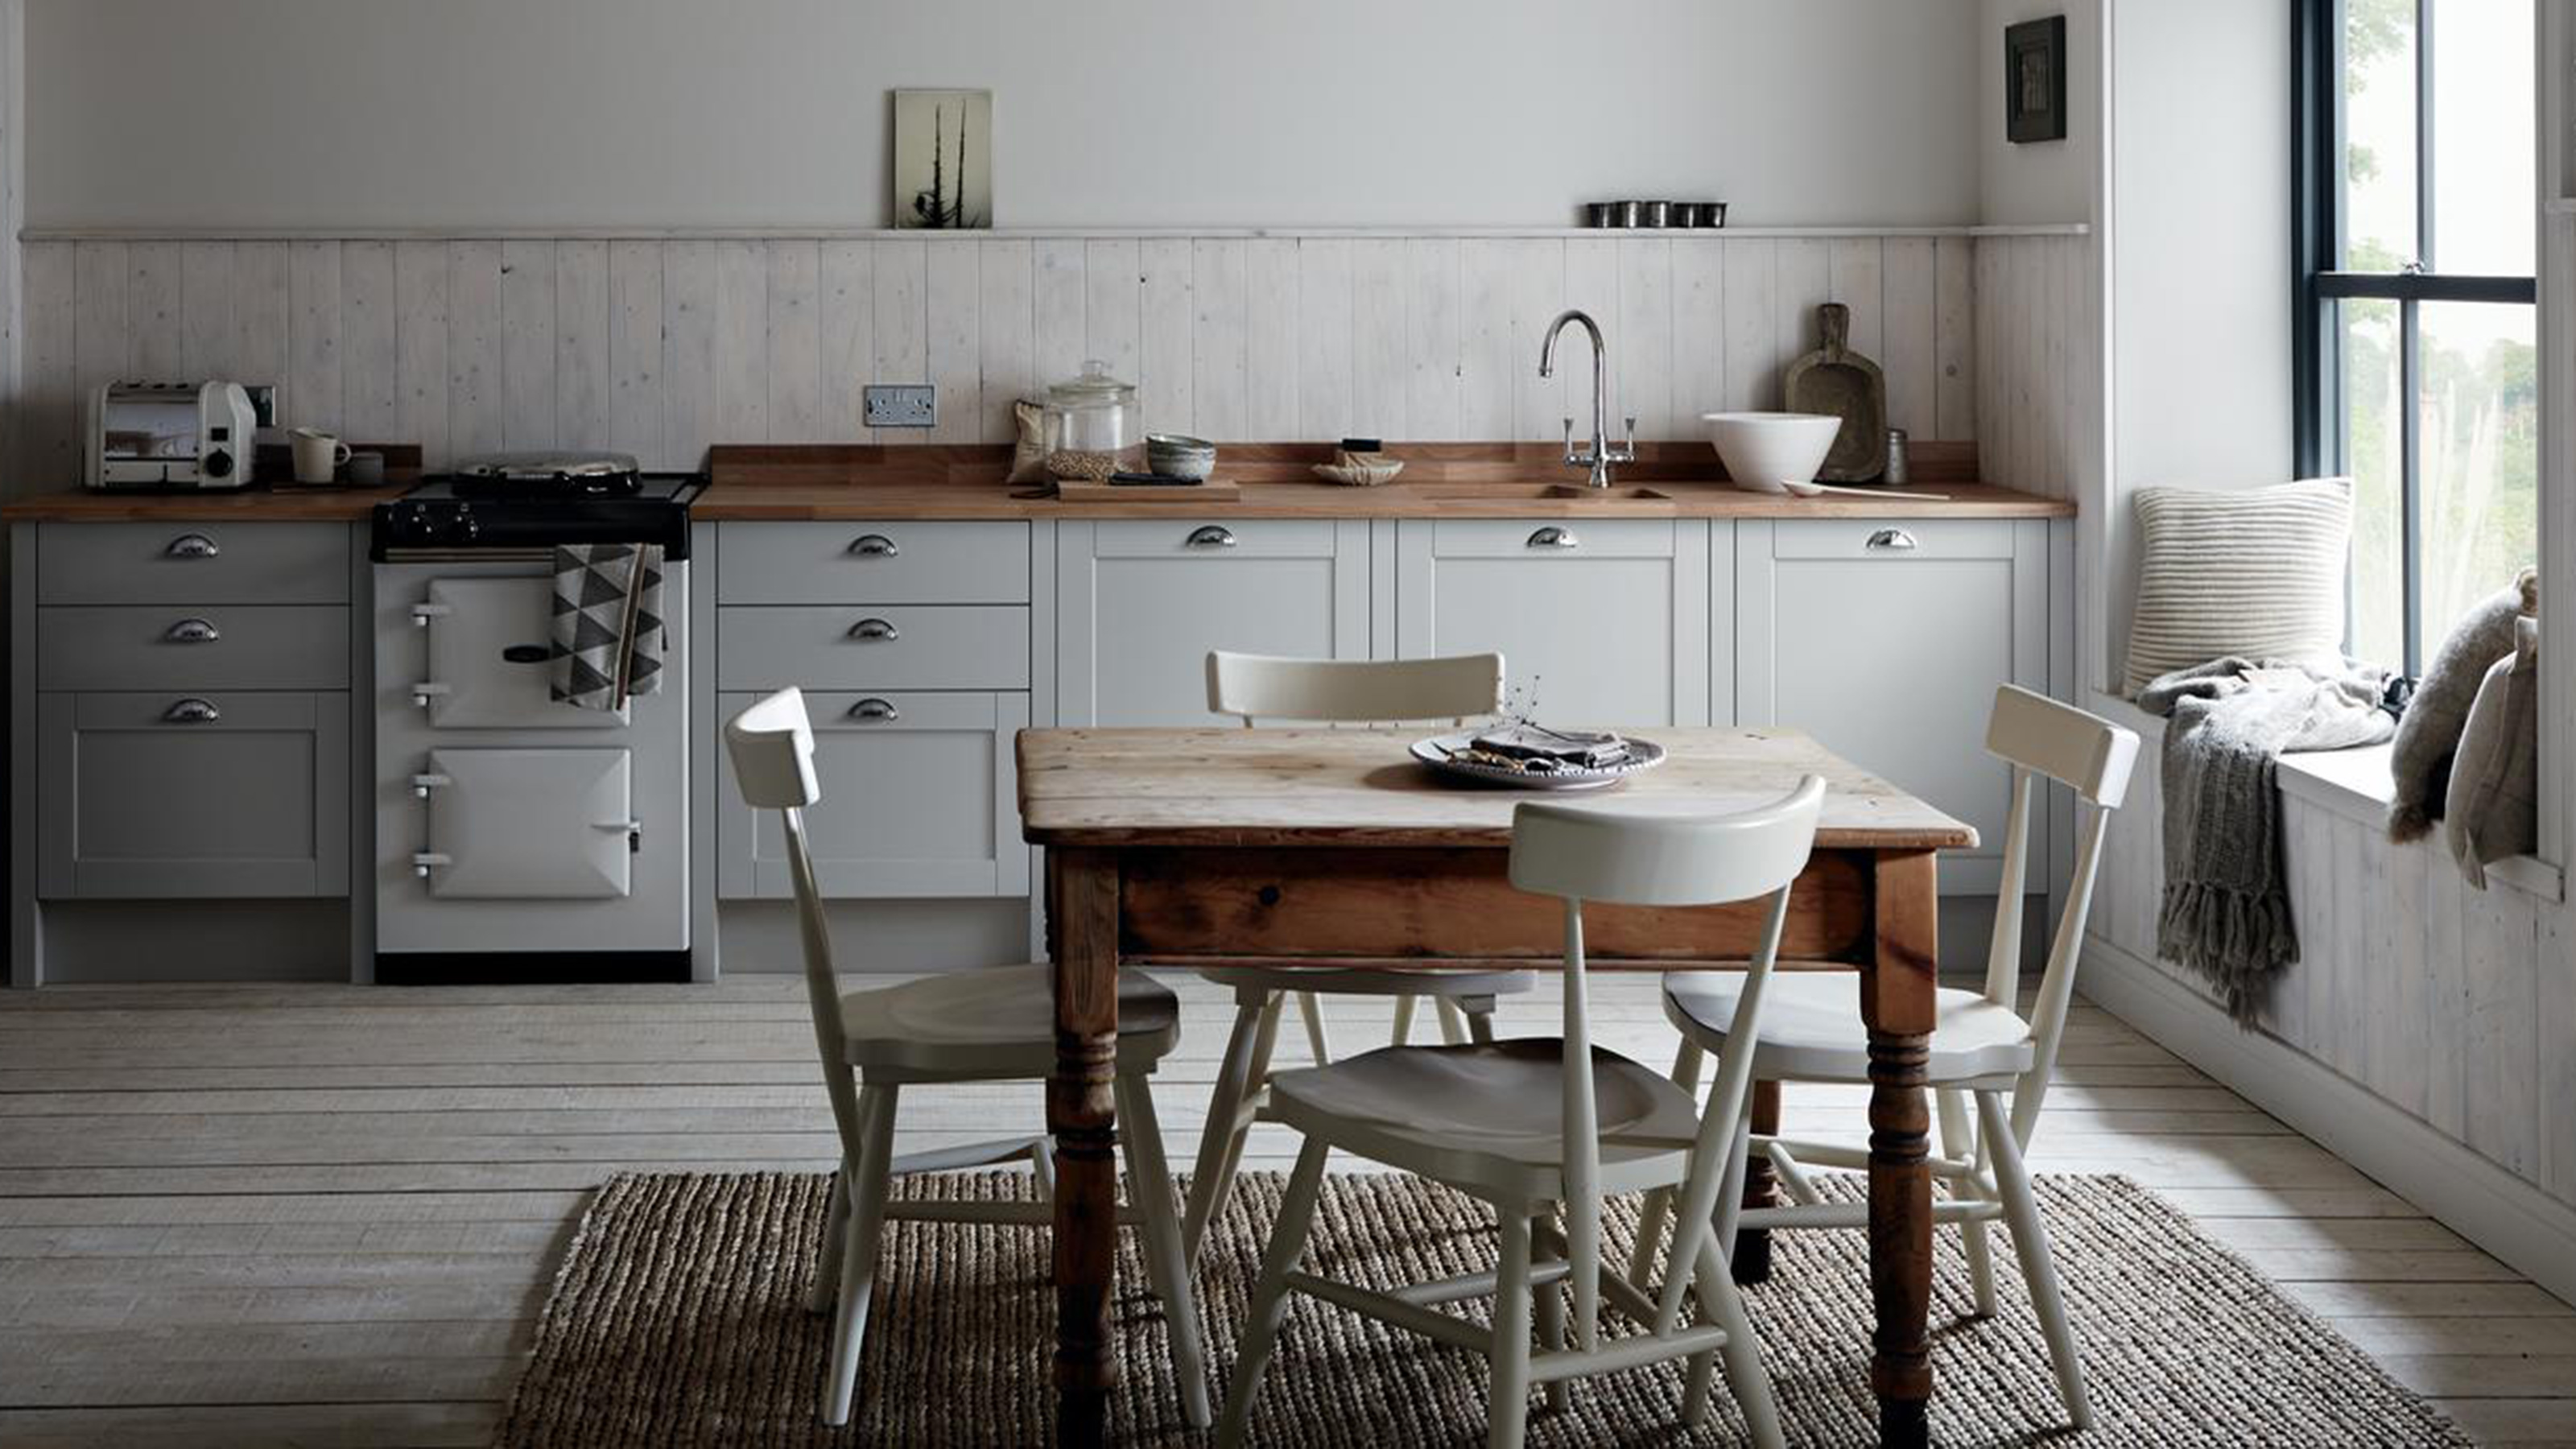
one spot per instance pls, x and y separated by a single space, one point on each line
171 435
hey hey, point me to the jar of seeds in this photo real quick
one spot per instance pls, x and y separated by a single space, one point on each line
1092 427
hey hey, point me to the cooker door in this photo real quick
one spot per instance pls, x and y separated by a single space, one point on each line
544 823
488 647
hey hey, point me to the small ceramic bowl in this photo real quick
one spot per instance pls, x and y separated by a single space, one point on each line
1174 456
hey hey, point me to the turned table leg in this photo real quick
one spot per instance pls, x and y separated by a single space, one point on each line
1897 1005
1751 1260
1082 925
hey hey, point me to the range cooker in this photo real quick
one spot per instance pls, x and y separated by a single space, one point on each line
518 837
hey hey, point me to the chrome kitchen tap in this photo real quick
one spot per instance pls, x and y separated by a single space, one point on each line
1601 455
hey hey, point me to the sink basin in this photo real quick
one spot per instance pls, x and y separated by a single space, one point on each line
1525 492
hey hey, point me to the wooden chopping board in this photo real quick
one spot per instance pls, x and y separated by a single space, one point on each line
1213 490
1834 379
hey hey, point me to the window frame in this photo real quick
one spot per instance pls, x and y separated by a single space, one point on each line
2320 435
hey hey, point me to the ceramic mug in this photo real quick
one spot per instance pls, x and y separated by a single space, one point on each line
318 455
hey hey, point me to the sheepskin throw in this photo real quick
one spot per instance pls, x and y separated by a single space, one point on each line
2226 908
2430 733
2257 573
2493 810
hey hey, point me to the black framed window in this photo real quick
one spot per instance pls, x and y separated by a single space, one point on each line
2416 336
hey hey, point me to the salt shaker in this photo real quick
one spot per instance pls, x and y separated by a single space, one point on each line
1897 471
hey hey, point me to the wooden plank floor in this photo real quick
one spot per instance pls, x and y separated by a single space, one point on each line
327 1215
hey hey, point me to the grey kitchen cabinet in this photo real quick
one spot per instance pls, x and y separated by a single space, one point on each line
873 646
1886 640
193 563
920 799
1141 602
889 562
1599 621
212 793
193 646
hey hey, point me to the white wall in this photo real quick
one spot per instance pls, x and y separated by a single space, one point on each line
2039 183
2200 271
664 113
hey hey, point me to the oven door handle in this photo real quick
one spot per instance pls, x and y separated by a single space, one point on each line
425 861
421 785
427 690
421 614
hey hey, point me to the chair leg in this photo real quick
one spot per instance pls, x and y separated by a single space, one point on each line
1507 1407
1403 1021
827 1268
1958 1143
1550 1305
1730 1190
1149 1187
1659 1203
1453 1022
1479 1011
1211 1179
2030 1247
1270 1292
868 1185
1723 1302
1316 1041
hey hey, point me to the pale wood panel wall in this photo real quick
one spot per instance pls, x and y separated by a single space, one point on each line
2027 349
663 346
2454 1004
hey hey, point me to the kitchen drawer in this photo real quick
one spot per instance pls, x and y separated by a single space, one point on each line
1893 538
203 794
873 646
882 563
920 798
192 646
192 563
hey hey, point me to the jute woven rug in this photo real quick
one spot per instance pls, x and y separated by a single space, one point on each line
677 1320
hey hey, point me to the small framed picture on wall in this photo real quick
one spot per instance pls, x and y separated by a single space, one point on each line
2035 80
943 160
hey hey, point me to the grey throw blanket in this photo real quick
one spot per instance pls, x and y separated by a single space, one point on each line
607 629
2226 911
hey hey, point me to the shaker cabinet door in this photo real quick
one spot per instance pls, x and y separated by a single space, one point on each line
1886 640
920 799
1140 603
193 794
1599 621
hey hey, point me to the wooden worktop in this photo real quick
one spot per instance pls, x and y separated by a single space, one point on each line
1441 480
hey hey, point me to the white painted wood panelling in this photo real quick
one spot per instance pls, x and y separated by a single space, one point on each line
2454 1005
664 344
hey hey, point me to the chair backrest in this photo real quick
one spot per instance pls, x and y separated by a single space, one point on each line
771 744
1635 857
2043 739
1353 691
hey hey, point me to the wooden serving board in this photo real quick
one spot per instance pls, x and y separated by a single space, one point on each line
1214 490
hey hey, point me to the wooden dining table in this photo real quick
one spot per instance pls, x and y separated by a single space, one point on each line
1195 847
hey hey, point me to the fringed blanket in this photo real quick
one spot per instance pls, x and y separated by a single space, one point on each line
2226 911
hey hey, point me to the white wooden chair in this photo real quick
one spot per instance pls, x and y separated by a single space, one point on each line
1982 1048
1336 691
1536 1125
987 1025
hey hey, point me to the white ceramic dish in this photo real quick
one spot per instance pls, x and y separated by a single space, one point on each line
1437 750
1772 452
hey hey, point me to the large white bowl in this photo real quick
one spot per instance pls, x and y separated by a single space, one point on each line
1766 452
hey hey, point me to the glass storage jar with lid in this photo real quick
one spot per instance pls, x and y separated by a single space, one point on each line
1092 427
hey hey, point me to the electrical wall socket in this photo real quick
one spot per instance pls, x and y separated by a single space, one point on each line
900 404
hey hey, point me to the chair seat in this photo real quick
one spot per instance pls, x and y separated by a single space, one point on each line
1812 1032
994 1023
1367 981
1487 1116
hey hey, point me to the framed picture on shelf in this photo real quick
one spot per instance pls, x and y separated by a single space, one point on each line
2035 80
943 160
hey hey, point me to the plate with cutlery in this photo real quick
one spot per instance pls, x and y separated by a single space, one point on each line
1531 756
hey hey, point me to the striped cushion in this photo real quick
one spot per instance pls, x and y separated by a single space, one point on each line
2259 572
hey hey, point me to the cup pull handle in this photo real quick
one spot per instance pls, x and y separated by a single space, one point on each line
193 631
875 629
192 545
1552 537
875 710
1891 540
874 545
192 711
1211 536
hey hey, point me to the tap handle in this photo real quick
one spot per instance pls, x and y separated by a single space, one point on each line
1626 452
1569 439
